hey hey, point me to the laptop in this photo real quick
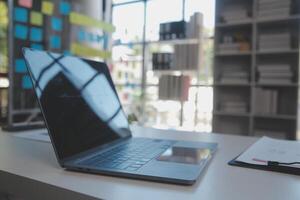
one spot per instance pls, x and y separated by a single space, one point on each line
90 131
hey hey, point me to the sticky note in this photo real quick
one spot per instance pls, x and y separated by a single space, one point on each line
37 46
20 14
81 35
91 37
25 3
21 31
36 18
64 8
36 34
99 38
56 24
26 82
83 20
67 53
86 51
55 42
20 66
47 7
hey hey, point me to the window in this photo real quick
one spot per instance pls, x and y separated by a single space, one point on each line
196 112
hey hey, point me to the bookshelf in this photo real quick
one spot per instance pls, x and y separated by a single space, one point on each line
259 38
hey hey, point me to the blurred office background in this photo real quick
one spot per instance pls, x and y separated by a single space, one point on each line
226 66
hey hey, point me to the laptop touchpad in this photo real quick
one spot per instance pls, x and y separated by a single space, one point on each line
185 155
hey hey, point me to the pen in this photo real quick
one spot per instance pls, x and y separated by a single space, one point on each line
275 163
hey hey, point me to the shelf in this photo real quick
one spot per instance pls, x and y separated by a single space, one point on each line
278 19
175 72
276 116
277 85
232 84
176 41
286 94
162 42
231 114
234 54
202 85
265 52
237 23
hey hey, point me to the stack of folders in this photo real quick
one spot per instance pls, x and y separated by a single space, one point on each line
274 8
234 13
234 106
273 41
230 47
162 61
186 57
266 101
275 74
174 87
194 26
234 44
233 76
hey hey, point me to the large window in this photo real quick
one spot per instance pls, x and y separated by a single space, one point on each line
129 60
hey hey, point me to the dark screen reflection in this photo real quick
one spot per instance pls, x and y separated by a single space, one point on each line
185 155
78 100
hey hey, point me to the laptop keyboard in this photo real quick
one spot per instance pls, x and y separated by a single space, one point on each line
130 156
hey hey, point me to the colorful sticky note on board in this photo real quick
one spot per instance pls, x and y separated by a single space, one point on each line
56 24
47 7
25 3
20 66
86 51
20 14
37 46
55 42
84 20
36 18
81 35
36 34
67 53
21 31
99 38
64 8
91 37
26 82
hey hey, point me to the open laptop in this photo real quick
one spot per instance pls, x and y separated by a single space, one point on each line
90 132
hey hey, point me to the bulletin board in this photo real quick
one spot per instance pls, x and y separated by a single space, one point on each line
71 27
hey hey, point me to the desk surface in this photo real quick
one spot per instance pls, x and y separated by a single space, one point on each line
35 161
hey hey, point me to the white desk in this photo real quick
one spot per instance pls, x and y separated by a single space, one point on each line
29 169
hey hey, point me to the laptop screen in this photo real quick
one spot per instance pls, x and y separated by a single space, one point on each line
79 101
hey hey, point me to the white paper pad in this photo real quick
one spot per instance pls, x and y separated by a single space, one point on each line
268 149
